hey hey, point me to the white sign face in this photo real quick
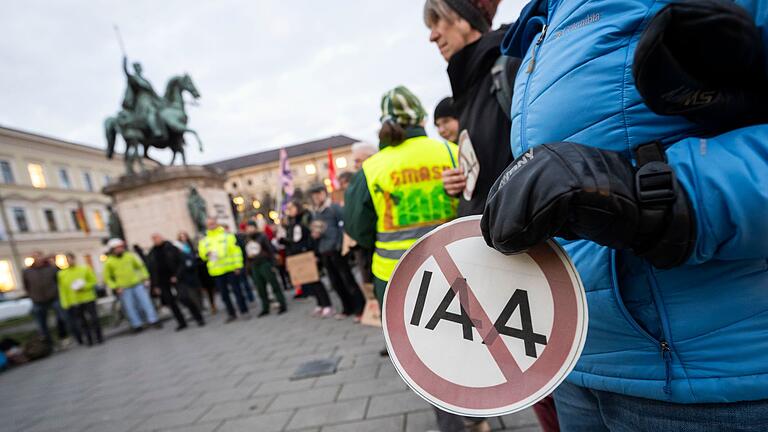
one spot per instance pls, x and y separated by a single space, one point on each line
478 333
468 164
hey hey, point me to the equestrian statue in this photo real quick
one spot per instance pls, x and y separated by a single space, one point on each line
149 120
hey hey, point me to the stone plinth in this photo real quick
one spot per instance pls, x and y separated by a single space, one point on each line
156 201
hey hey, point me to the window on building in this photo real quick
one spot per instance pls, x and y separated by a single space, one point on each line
234 185
50 220
98 220
75 220
64 180
250 182
6 173
6 276
36 175
88 182
341 162
107 179
310 169
20 217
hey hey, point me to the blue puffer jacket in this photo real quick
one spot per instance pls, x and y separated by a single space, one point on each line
696 333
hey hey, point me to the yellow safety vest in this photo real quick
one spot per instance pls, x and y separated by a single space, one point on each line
225 256
405 183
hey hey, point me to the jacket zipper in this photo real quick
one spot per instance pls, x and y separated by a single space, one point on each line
664 347
531 65
666 355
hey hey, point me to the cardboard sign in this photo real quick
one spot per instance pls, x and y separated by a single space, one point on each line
302 268
468 164
478 333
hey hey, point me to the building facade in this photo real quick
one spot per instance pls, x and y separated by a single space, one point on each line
51 201
253 180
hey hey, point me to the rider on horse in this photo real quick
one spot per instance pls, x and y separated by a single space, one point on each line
140 98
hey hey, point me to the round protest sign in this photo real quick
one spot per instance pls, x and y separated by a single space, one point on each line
478 333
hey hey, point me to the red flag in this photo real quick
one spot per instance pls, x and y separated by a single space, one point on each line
81 219
332 171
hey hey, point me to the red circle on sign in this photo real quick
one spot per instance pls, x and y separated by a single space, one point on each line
552 359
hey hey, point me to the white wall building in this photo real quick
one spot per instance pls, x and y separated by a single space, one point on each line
51 200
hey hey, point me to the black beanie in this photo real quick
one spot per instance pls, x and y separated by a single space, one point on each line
445 109
478 13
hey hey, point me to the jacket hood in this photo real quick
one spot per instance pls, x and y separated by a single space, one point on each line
474 62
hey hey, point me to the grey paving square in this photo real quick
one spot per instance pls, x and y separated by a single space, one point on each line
371 387
272 422
328 414
386 424
235 409
171 419
396 403
304 398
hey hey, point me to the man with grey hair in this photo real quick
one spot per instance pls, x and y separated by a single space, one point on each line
361 151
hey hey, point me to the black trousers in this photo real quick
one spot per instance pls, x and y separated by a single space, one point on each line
317 289
344 284
84 319
172 301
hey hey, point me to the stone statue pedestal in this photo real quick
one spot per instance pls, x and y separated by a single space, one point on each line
156 202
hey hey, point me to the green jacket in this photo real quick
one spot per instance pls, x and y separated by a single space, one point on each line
359 214
220 251
125 271
76 286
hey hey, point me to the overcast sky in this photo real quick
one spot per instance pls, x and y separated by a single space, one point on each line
271 73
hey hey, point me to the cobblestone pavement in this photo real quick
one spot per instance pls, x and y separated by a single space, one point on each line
223 378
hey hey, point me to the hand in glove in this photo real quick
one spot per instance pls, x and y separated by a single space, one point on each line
573 191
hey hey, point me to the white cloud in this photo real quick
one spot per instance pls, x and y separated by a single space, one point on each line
270 73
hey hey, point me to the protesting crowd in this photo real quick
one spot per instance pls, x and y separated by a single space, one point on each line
621 135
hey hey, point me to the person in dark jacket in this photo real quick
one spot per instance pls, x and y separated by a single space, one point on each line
42 287
204 279
461 29
446 120
169 269
259 262
329 233
298 240
242 278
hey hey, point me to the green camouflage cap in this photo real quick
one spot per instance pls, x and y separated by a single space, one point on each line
402 107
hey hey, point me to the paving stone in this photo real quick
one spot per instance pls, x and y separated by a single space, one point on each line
421 421
172 419
396 403
200 427
328 414
524 418
386 424
271 422
371 387
349 375
124 425
304 398
234 409
212 397
283 386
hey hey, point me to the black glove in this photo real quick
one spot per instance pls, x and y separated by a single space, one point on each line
573 191
703 60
